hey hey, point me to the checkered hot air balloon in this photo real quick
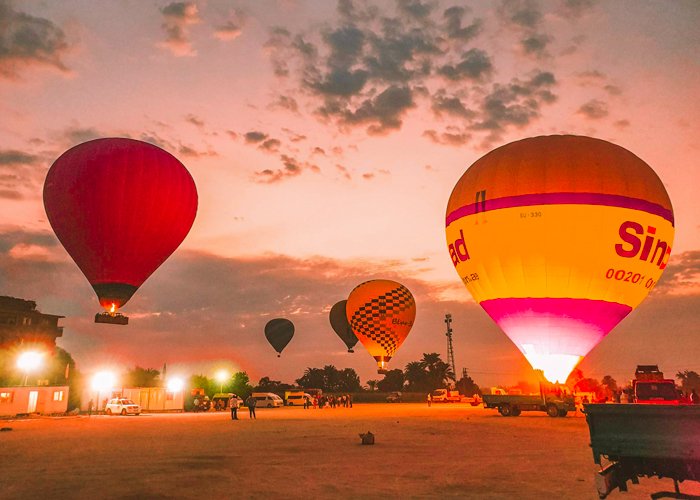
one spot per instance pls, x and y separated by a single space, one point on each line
381 314
559 238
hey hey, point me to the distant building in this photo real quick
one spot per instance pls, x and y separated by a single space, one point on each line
150 399
37 399
21 323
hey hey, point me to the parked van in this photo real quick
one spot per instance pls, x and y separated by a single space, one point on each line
267 400
297 398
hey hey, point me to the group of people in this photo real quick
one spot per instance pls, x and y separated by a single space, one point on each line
344 400
234 403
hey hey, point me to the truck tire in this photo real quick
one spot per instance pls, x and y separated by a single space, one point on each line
552 411
515 411
505 410
563 412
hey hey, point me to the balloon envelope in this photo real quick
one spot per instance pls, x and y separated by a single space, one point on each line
339 322
558 238
120 207
381 314
279 332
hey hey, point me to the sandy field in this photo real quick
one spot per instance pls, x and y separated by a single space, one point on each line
454 451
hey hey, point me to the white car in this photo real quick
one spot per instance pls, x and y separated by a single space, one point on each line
121 406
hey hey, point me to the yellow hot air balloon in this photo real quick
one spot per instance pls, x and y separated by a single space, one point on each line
559 238
381 313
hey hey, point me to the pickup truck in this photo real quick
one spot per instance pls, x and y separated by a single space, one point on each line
510 405
630 441
445 396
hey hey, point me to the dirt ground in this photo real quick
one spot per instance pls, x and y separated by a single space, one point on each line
445 451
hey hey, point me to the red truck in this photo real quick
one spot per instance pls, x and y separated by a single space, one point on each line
650 387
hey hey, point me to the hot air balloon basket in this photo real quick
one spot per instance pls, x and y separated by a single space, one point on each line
111 318
367 438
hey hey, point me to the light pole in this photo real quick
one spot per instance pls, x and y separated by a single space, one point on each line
29 361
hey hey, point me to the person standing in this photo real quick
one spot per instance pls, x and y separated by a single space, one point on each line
695 397
430 400
306 402
251 402
233 403
91 405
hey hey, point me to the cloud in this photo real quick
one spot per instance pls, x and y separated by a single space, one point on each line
191 152
270 145
516 104
286 102
194 120
475 65
26 41
373 66
453 23
254 137
575 9
593 110
231 28
522 13
381 114
178 17
21 174
450 105
622 124
448 138
291 167
77 135
178 313
14 157
681 276
525 17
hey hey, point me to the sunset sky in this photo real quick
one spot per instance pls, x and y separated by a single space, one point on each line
325 139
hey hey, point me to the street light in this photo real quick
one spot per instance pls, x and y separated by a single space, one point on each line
221 377
29 361
103 381
175 384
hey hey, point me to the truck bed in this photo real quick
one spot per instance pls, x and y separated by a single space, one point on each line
636 430
640 440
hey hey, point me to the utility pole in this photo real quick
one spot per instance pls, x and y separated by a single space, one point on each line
450 350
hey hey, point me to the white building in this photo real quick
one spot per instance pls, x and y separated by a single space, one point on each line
46 400
150 399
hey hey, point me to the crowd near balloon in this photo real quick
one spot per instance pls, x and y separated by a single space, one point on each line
558 238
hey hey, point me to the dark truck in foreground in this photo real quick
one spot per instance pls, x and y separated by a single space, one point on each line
511 405
630 441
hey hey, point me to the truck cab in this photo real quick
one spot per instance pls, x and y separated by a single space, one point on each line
650 387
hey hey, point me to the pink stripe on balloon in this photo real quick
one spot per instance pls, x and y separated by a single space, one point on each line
558 325
526 200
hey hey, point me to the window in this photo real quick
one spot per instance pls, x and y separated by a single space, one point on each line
58 395
6 397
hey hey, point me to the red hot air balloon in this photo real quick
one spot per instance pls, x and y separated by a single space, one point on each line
120 207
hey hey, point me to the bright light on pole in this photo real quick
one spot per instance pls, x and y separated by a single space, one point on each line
175 384
103 381
29 361
221 377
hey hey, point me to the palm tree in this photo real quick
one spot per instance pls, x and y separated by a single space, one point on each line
416 376
438 371
372 384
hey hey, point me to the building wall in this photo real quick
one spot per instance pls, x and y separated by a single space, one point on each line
49 400
149 398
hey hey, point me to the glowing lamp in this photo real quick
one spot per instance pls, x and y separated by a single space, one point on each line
29 361
175 384
103 381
